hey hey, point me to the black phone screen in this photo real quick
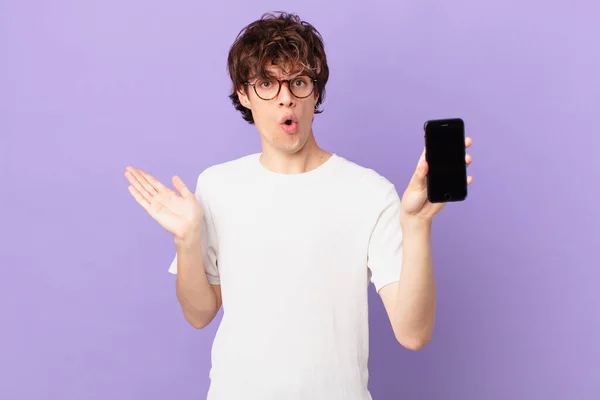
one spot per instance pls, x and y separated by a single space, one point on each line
445 155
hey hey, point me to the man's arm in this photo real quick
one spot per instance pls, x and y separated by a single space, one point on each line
199 300
411 302
181 214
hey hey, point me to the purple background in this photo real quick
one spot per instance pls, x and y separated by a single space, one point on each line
88 309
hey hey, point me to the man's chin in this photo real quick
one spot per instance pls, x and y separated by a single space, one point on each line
286 143
293 147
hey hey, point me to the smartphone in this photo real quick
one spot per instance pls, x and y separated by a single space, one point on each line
445 155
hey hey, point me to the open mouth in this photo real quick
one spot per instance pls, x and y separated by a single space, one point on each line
289 125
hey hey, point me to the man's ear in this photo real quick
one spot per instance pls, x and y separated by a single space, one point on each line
244 100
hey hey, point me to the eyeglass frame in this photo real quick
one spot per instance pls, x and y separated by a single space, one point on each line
280 82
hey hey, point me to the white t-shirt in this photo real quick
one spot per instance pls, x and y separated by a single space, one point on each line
294 255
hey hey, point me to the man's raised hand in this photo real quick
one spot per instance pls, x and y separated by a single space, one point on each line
178 213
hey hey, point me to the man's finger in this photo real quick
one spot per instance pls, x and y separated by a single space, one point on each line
135 182
155 183
141 178
139 198
182 188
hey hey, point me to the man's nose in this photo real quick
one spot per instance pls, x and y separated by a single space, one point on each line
285 95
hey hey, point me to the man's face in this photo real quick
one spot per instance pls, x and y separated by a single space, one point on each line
285 121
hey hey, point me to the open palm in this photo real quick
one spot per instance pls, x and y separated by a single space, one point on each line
177 213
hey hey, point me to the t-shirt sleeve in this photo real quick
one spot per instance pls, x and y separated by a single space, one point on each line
384 258
209 236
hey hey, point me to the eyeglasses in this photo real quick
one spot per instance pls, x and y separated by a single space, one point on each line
267 89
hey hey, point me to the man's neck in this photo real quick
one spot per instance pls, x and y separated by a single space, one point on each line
310 157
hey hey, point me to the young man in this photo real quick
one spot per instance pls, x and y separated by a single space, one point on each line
289 239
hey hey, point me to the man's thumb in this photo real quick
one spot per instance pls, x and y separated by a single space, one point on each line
419 178
181 187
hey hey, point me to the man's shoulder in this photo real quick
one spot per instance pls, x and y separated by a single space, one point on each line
367 178
223 171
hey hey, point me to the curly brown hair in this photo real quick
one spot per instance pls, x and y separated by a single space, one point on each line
280 39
